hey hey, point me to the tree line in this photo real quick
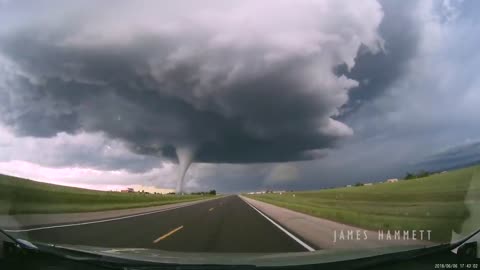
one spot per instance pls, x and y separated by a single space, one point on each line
210 192
419 174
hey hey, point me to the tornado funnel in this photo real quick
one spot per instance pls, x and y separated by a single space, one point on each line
185 158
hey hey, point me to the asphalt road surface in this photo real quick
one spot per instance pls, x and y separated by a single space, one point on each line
226 224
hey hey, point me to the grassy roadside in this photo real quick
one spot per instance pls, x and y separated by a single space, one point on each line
441 203
22 196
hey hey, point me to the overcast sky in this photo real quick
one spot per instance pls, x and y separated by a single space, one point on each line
260 94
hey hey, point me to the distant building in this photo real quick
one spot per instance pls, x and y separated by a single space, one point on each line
349 185
256 192
128 190
367 184
392 180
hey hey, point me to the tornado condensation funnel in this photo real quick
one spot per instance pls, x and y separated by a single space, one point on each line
185 158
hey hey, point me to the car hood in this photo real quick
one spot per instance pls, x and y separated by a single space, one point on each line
257 259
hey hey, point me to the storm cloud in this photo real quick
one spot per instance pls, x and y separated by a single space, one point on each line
92 92
377 72
240 83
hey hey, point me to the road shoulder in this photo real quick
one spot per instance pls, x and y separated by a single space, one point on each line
321 232
22 221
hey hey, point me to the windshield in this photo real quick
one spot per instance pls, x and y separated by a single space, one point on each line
239 127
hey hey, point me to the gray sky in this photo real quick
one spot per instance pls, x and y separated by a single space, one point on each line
270 94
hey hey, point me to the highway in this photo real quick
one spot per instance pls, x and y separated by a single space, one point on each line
227 224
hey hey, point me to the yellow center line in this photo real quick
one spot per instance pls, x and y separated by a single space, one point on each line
167 234
210 209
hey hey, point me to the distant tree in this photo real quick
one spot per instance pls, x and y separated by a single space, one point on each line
423 173
420 174
211 192
358 184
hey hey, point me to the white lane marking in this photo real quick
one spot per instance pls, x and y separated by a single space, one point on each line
307 247
101 221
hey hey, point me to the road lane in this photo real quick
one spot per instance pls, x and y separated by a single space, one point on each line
223 225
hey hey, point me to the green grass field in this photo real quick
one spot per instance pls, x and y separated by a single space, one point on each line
21 196
440 202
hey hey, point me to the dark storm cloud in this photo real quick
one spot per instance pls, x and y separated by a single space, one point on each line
377 72
130 108
228 95
458 156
